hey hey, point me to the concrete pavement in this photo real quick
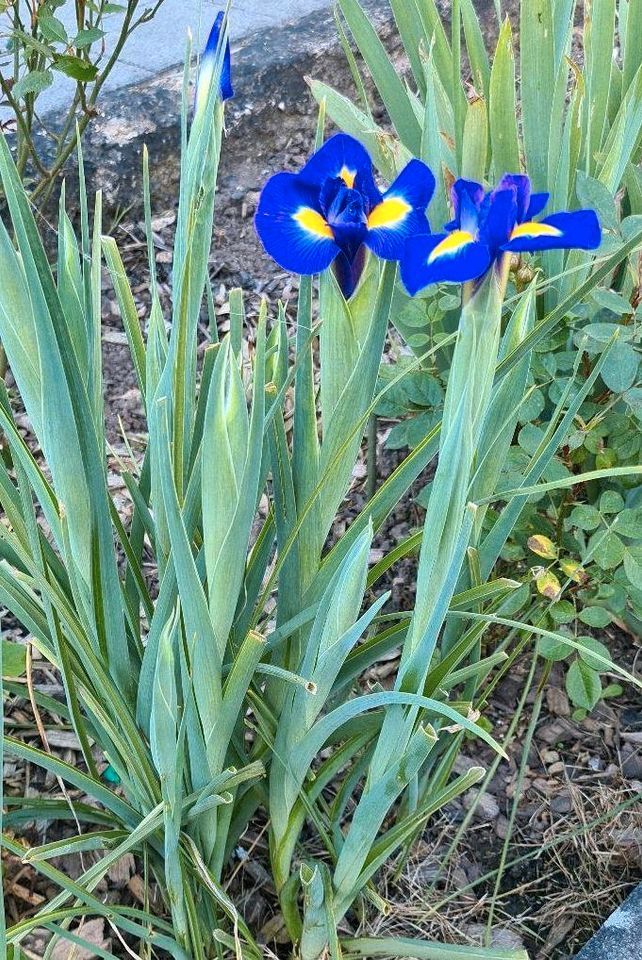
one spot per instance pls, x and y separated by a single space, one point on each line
160 44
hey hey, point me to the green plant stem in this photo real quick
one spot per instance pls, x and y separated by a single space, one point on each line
371 487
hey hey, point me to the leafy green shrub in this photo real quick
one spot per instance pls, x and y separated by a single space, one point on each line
39 46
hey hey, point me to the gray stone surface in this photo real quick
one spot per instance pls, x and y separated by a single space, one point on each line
620 937
160 44
269 70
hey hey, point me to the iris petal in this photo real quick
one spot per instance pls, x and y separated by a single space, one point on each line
442 258
343 156
467 197
521 184
209 62
561 231
402 211
537 203
348 271
499 220
291 225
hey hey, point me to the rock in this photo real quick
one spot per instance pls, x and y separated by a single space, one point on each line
557 702
63 739
463 764
562 803
559 731
500 937
93 932
628 844
543 786
121 871
486 806
631 763
501 827
275 930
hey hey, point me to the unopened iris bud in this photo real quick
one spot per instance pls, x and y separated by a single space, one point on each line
210 61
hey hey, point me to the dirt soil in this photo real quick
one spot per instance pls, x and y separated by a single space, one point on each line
565 836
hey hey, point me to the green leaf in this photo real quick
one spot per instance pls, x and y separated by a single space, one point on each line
594 194
585 517
632 36
52 28
634 399
620 370
611 502
633 565
605 459
589 645
538 81
502 108
85 38
387 153
388 82
628 523
624 133
583 685
410 31
608 550
14 657
33 82
476 48
423 949
615 303
599 25
562 612
75 68
475 146
553 648
595 616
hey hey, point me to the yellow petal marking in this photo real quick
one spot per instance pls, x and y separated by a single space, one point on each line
314 223
348 176
389 213
451 245
532 229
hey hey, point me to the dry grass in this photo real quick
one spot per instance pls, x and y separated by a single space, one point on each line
555 892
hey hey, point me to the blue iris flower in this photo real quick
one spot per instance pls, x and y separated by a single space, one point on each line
211 60
487 225
332 211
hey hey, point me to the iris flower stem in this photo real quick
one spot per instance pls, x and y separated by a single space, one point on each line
444 549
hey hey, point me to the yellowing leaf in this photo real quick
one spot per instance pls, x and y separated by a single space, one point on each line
548 585
542 546
574 571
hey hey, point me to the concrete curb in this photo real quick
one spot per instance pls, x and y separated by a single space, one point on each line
620 936
269 74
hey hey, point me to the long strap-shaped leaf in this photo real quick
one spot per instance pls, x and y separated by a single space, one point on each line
70 441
